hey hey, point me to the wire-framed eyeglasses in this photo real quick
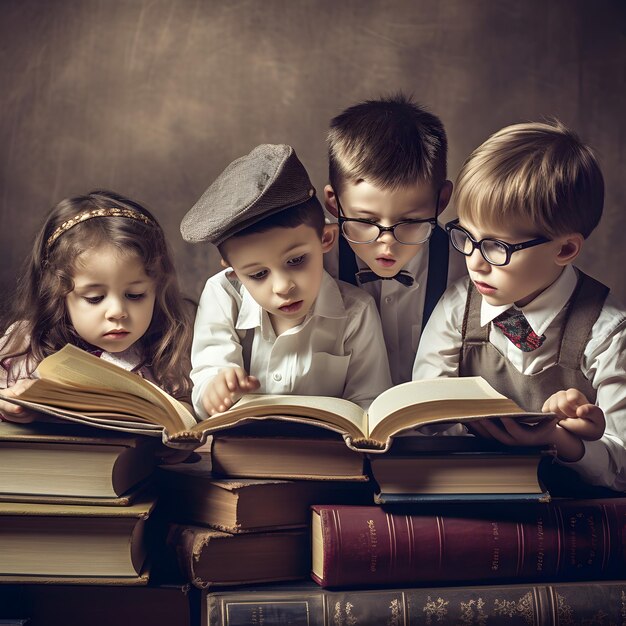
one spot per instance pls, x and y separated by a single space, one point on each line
494 251
406 232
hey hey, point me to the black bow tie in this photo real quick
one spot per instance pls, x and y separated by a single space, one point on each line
367 276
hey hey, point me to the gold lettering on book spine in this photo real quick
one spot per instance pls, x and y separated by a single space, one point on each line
540 545
510 608
344 616
472 612
495 555
373 544
394 609
435 608
564 611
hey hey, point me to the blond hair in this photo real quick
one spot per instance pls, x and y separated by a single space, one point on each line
538 173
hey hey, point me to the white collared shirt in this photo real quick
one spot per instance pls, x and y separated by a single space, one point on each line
338 350
401 308
603 364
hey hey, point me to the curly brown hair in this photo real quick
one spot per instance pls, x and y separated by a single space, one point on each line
39 305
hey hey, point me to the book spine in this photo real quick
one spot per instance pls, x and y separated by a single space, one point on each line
510 605
569 540
458 498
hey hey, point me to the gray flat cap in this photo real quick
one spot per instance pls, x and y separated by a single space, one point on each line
268 180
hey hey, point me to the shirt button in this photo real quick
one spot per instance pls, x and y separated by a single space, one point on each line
277 376
388 299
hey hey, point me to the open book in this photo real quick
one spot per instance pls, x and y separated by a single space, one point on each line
77 386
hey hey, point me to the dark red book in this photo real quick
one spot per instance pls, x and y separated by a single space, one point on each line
561 540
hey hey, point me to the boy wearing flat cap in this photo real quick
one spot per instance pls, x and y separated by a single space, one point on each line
274 321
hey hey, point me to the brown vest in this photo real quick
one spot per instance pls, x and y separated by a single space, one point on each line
481 358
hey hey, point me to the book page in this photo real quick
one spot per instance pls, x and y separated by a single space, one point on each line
445 392
73 367
342 414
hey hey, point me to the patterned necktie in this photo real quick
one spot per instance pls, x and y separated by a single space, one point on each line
367 276
518 331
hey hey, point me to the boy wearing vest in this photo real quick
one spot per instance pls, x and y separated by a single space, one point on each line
387 173
537 329
274 321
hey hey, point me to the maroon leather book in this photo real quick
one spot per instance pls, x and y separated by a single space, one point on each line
562 540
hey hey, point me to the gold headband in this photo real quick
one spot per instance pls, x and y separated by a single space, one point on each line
87 215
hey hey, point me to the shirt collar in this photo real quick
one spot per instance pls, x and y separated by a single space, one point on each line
250 313
544 308
129 359
329 302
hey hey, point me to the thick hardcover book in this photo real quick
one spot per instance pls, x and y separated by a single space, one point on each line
44 461
561 540
558 604
67 543
299 457
190 493
210 557
76 386
101 605
462 469
124 500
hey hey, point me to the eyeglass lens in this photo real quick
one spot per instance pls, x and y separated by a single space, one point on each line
493 252
411 233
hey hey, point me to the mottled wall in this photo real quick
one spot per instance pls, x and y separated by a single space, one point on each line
153 98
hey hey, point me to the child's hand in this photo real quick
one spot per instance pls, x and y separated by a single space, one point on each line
513 433
569 446
12 412
226 388
577 414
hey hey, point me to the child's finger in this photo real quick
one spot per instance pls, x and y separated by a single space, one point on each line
591 412
214 397
21 417
241 378
559 404
252 383
231 378
576 397
8 407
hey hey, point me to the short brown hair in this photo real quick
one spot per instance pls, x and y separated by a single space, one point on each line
540 172
391 142
309 213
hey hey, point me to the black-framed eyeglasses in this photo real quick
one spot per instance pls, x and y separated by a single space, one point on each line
494 251
406 232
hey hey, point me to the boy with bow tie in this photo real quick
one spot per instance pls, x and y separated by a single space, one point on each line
537 329
387 173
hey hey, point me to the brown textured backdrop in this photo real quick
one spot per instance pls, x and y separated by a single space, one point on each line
152 98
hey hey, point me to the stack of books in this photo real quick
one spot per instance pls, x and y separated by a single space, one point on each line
243 517
236 530
544 563
392 529
73 504
460 531
76 508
